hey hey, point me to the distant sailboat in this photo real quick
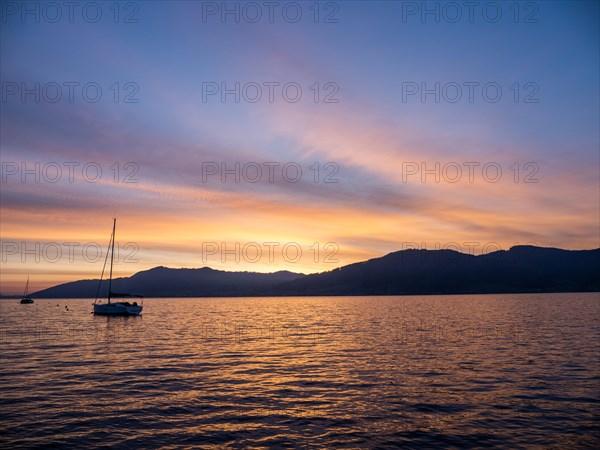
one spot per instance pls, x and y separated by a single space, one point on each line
115 308
26 298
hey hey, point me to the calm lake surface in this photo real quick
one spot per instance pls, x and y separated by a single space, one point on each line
371 372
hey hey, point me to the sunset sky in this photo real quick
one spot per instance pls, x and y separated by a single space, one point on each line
368 133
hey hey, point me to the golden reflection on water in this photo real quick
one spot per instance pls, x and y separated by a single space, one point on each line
356 371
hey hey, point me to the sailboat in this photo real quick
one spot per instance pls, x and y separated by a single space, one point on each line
110 308
26 298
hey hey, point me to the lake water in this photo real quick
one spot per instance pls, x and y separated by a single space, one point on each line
370 372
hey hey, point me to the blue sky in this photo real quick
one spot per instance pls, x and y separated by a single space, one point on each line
370 133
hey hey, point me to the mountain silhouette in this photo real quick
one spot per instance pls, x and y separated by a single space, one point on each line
406 272
413 272
166 282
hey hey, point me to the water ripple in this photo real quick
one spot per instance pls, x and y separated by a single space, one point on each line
515 371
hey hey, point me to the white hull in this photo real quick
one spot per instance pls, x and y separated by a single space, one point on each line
117 309
120 308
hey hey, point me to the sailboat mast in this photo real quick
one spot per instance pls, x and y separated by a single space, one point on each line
112 252
26 287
